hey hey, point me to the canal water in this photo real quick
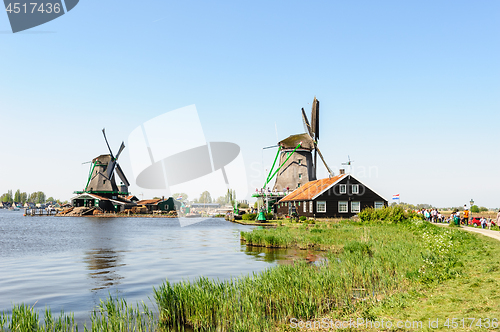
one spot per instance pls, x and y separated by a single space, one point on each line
71 263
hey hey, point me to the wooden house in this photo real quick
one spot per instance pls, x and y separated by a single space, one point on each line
109 204
341 196
160 204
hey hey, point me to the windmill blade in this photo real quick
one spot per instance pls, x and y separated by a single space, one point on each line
110 169
315 119
324 162
120 150
122 175
307 126
110 152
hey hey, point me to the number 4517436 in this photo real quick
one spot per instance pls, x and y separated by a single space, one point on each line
471 322
33 7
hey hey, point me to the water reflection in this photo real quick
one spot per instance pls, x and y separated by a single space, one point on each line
103 264
282 256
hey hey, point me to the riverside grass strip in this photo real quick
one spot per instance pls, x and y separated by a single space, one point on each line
375 262
111 315
387 271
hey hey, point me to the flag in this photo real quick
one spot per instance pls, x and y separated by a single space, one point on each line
179 197
395 197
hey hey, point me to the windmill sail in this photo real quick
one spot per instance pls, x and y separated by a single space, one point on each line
307 126
315 119
122 175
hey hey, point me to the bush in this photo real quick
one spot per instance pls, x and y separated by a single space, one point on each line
393 214
249 216
302 218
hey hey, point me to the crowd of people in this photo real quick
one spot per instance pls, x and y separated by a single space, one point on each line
457 217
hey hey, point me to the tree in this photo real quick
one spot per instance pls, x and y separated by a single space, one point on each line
483 209
37 197
474 208
7 197
17 196
205 197
24 197
51 199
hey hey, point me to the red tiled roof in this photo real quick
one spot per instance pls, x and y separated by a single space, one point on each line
148 201
311 189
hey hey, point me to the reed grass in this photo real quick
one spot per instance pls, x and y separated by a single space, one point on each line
366 267
375 261
110 315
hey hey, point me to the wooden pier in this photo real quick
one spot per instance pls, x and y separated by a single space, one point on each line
37 212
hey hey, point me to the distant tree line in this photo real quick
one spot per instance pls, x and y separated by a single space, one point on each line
206 197
37 197
407 206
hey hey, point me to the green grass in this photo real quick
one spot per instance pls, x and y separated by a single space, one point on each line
412 271
109 315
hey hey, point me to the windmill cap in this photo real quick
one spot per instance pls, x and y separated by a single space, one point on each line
291 142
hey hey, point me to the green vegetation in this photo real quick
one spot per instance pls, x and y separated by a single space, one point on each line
37 197
395 268
110 315
477 209
249 216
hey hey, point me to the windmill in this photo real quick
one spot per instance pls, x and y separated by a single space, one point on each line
101 178
297 165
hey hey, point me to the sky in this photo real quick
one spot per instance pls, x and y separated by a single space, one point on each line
409 90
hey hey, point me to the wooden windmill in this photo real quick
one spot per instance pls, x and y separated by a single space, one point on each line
298 165
101 178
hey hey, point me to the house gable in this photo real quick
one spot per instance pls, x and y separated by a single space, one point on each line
343 197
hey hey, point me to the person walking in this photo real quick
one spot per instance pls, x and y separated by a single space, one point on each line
483 222
498 219
466 216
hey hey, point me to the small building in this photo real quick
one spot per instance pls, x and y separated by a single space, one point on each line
341 196
160 204
131 198
113 204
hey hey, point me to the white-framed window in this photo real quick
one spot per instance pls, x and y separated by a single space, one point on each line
355 188
300 163
379 205
311 207
355 207
320 206
298 185
343 189
343 207
300 175
305 206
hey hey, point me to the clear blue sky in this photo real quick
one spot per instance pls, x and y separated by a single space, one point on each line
408 88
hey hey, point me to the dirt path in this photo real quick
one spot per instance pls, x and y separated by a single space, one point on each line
485 232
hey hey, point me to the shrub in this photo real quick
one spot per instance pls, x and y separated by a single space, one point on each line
393 214
302 218
249 216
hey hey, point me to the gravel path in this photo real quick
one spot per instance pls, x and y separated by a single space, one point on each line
486 232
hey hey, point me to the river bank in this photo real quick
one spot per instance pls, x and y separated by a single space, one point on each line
412 271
